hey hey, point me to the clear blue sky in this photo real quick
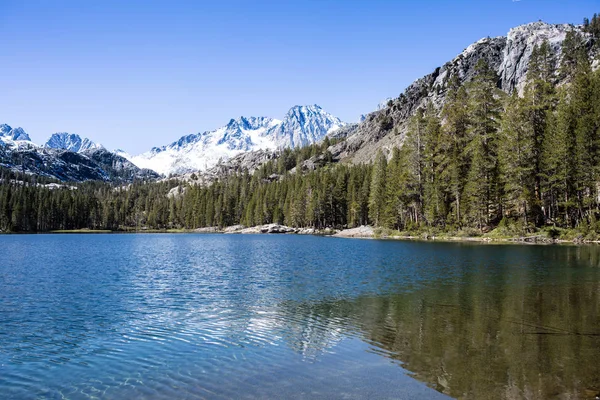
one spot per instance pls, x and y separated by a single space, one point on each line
136 74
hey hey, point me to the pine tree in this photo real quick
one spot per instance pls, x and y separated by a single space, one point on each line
414 149
538 98
377 191
482 191
516 155
433 190
558 165
394 202
453 141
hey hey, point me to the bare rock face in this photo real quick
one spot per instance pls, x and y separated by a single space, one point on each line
117 168
509 56
250 161
519 45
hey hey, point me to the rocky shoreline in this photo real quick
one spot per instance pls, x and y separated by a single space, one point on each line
368 232
364 232
267 229
361 232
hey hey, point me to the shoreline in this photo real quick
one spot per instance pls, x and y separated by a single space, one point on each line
368 232
362 232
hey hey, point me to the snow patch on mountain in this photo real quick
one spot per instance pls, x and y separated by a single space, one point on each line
71 142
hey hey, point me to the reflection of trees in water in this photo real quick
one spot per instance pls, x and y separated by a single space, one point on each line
521 333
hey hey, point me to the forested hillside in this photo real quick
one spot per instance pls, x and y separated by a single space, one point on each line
487 160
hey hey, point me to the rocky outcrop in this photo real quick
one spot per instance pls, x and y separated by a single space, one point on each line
250 162
208 229
270 228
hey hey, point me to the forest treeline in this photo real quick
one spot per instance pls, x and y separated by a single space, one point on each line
485 161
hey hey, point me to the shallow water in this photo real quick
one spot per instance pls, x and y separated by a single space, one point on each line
256 316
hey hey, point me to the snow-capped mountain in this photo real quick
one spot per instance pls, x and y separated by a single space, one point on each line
66 158
7 133
304 125
301 126
71 142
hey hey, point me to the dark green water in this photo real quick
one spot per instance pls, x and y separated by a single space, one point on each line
223 316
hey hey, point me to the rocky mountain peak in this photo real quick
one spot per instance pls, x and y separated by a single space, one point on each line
304 125
6 131
71 142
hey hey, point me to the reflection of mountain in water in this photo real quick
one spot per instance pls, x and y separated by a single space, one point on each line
312 330
490 336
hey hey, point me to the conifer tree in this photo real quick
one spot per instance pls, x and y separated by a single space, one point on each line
377 191
433 185
414 149
516 155
482 191
453 141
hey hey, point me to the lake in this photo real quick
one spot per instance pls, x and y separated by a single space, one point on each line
186 316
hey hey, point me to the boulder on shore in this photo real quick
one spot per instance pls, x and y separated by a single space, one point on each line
275 228
208 229
234 229
359 232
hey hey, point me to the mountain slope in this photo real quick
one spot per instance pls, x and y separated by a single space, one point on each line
302 125
509 56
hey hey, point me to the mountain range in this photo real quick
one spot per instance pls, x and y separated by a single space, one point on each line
65 157
301 126
381 130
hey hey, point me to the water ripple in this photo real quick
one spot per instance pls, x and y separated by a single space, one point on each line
192 316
